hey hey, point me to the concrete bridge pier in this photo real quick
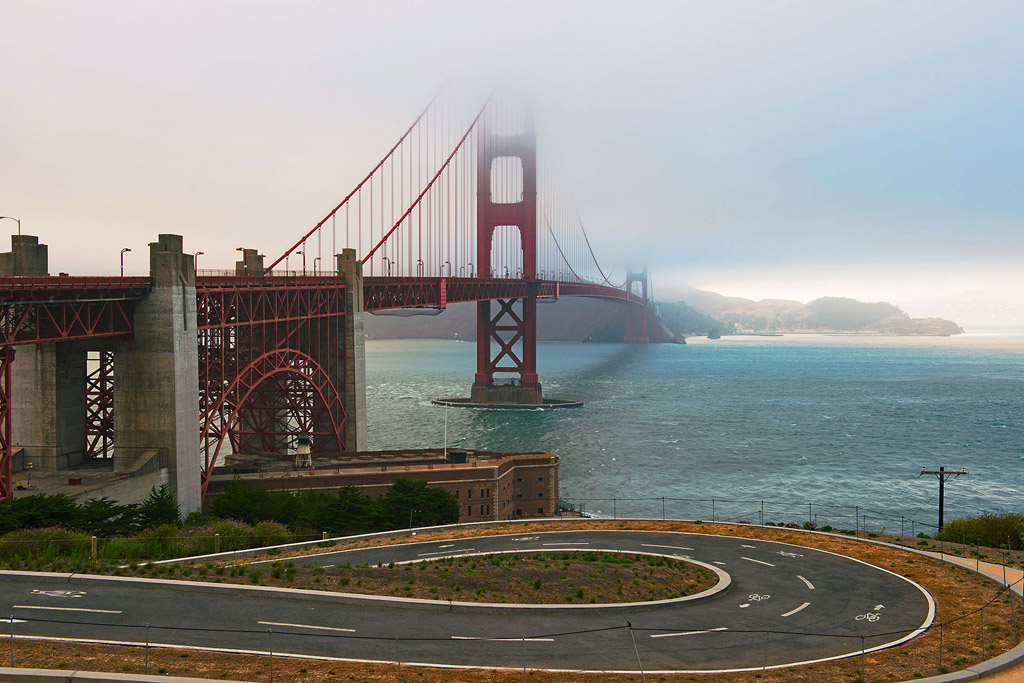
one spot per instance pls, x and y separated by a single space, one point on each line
47 382
156 402
351 269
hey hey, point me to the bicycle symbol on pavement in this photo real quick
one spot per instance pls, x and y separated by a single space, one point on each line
788 554
757 598
870 616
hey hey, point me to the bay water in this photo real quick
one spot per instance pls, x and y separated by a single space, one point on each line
831 429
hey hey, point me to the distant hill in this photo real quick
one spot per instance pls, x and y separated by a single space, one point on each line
700 313
828 314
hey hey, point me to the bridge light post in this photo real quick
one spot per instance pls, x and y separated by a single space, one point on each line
419 267
122 260
449 264
18 221
314 264
387 264
195 261
470 265
303 252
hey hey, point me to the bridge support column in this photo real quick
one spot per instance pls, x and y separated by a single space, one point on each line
636 313
156 401
355 344
48 405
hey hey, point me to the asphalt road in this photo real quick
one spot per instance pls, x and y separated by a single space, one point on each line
780 595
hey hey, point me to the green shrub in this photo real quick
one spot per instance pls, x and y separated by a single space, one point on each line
270 533
992 530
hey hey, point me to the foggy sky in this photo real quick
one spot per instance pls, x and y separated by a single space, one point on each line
759 149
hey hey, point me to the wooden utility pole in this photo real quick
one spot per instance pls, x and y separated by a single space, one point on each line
943 474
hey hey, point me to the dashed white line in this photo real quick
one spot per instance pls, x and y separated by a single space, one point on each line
12 621
747 546
719 563
437 553
505 640
794 611
450 545
687 633
319 628
809 584
573 543
750 559
69 609
673 547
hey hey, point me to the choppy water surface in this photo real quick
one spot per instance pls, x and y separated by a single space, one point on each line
789 420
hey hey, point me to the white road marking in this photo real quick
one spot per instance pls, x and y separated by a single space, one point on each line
687 633
69 609
745 605
12 621
747 546
809 584
319 628
878 607
437 553
794 611
573 543
750 559
719 563
328 566
449 545
673 547
59 593
505 640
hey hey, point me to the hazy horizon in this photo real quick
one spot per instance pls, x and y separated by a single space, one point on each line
870 150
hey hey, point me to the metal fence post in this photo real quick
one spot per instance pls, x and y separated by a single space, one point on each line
398 654
270 649
663 508
93 547
762 513
524 659
614 513
764 661
862 659
147 649
712 509
12 641
983 631
940 647
637 650
216 543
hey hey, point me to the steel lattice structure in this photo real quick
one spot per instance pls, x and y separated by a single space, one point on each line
271 364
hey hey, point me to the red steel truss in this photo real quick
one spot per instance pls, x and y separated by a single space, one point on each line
271 364
99 406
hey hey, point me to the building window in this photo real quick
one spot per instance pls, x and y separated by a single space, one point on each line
540 478
519 513
518 496
456 494
540 511
540 494
519 480
469 493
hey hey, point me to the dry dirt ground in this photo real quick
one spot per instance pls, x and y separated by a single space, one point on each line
958 594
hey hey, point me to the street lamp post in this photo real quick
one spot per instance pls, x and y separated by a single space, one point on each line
314 264
303 252
18 221
122 260
195 262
